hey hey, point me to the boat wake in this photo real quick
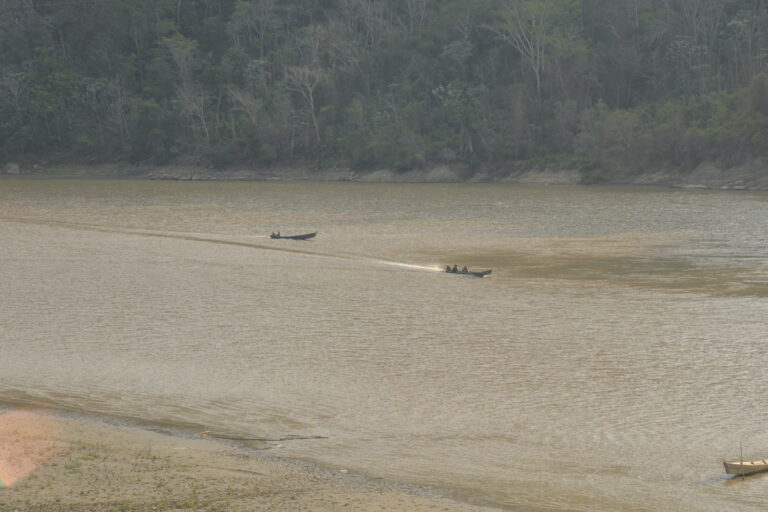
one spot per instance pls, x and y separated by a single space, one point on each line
213 239
432 268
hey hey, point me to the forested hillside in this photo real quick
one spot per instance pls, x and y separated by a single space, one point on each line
610 86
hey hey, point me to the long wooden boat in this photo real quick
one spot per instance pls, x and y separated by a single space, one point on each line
306 236
745 467
477 273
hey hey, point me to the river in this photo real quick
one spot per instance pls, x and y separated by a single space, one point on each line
612 360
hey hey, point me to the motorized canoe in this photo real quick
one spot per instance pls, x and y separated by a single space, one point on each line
306 236
477 273
745 467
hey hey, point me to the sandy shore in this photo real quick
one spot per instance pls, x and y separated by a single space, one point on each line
52 464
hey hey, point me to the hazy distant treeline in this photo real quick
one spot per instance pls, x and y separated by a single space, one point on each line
609 85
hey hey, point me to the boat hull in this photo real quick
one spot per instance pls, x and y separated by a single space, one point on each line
481 273
294 237
746 467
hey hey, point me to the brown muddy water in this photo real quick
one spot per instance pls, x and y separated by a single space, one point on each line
617 354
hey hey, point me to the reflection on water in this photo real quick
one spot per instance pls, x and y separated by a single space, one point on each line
672 273
611 361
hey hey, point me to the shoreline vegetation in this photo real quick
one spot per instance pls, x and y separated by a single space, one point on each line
54 464
752 175
592 92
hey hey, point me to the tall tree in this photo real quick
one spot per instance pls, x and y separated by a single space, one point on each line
534 28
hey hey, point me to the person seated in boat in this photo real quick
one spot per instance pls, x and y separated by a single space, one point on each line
455 268
464 270
447 268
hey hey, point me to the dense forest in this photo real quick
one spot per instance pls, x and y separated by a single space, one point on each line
610 86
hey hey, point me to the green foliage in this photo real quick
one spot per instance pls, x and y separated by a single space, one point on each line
609 86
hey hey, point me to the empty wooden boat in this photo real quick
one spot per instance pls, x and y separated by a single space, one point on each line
745 467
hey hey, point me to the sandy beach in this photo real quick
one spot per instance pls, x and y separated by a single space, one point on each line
50 464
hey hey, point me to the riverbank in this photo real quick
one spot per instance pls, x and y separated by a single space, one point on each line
752 175
52 464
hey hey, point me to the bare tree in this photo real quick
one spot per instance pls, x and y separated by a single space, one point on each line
368 19
534 28
16 87
417 14
305 80
190 94
340 48
703 17
523 26
248 103
254 20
